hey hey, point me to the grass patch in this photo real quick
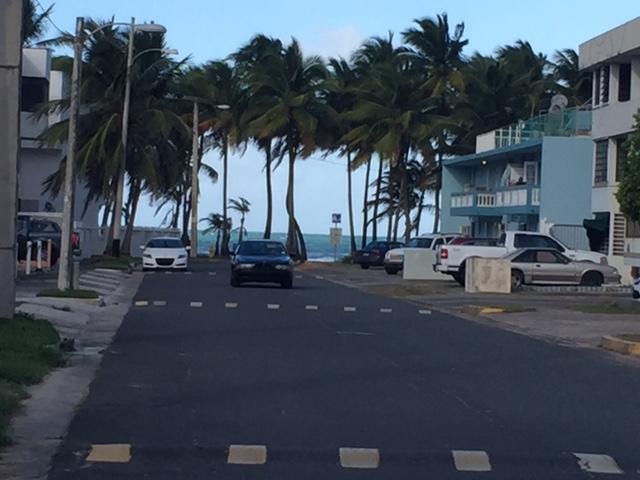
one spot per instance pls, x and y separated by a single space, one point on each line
113 263
403 291
611 308
69 293
511 308
28 350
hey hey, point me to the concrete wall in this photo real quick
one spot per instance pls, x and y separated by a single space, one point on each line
36 62
615 118
618 41
488 275
93 239
418 265
486 142
566 179
453 181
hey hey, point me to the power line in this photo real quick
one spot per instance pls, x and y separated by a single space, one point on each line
48 17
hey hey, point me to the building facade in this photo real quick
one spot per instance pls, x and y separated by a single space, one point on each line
36 162
613 59
522 177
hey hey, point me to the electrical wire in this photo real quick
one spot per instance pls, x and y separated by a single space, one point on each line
49 19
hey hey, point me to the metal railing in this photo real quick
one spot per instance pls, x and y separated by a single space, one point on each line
503 197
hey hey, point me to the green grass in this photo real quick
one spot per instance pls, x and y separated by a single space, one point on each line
611 308
113 263
70 293
28 350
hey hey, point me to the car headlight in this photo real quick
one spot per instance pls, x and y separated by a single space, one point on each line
182 255
243 266
146 255
283 267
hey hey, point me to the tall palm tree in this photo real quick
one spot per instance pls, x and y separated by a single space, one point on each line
293 109
576 83
33 22
251 62
214 224
243 207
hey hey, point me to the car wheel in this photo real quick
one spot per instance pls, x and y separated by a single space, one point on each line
592 279
391 271
517 280
364 266
287 283
234 281
460 275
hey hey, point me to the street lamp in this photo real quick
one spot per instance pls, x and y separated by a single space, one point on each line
195 184
64 277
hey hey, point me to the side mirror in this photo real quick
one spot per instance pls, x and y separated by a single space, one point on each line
188 248
232 255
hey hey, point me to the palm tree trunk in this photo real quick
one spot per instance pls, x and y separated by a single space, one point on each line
419 213
106 213
176 211
186 213
302 243
217 253
352 235
267 227
292 231
436 202
365 207
128 235
389 224
396 223
406 193
374 233
225 232
241 228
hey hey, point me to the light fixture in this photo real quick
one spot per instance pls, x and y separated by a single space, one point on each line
484 162
150 28
224 106
170 51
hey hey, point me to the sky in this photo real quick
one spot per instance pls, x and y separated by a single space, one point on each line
212 29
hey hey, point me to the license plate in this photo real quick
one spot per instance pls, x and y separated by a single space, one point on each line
365 254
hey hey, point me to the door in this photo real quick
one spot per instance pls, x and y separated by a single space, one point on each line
552 267
531 173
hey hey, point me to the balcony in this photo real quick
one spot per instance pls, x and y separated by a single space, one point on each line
513 200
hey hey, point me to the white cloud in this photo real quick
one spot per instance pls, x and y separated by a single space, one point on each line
333 42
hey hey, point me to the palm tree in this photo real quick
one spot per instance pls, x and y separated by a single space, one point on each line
251 62
292 111
33 23
566 69
242 206
214 224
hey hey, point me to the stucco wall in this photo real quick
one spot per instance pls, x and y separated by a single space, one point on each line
566 179
452 182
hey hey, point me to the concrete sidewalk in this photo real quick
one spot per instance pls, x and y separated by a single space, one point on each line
45 416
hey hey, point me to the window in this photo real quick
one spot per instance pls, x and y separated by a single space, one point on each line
596 87
621 157
268 249
34 91
545 256
624 82
43 226
600 173
526 257
165 243
605 84
536 241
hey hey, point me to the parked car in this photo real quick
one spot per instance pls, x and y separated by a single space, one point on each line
394 258
547 266
261 261
485 242
373 254
165 253
33 228
451 259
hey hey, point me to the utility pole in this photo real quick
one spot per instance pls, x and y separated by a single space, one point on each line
10 73
66 255
194 182
117 209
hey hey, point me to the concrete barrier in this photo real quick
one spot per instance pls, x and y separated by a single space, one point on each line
418 265
488 275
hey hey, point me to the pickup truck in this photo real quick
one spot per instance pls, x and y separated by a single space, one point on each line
450 259
394 258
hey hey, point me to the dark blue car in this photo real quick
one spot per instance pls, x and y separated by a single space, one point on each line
261 261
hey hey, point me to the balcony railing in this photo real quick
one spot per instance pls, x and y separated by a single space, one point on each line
509 197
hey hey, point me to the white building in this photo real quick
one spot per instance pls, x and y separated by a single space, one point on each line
35 162
614 60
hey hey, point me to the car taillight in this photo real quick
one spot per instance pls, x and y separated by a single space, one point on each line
444 253
75 240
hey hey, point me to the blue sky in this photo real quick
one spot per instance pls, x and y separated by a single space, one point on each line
211 29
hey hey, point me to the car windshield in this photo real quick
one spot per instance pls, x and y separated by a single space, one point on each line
165 243
266 249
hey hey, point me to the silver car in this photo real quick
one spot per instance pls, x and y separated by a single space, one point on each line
547 266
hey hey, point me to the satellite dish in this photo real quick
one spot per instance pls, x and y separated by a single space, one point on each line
558 103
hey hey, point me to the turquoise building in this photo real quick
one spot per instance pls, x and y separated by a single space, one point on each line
521 177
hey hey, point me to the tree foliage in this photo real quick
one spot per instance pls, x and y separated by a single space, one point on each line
628 193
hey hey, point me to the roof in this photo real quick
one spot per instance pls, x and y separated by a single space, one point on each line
476 158
611 46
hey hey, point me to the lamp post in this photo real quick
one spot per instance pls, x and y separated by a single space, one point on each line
64 267
195 184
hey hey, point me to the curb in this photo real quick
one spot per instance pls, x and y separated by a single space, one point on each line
620 345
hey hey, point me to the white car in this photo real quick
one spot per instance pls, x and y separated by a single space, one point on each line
394 258
166 253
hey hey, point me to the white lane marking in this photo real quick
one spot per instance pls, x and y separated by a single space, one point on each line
349 309
311 307
364 334
591 462
196 304
471 460
159 303
273 306
359 457
212 273
319 277
168 273
230 305
141 303
424 312
298 276
188 273
247 454
386 310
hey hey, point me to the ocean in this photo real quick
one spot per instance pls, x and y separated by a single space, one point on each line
318 247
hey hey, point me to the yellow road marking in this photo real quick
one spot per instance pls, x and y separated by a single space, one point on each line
247 454
471 460
111 453
141 303
359 457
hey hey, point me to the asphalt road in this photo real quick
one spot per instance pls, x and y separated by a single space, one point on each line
265 383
